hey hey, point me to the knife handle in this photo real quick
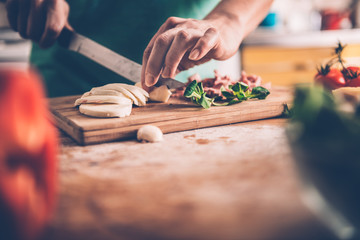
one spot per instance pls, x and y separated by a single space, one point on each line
65 37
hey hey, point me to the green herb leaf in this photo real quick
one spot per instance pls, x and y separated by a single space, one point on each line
259 93
190 89
237 93
228 95
236 87
220 103
244 87
241 96
234 101
201 88
205 102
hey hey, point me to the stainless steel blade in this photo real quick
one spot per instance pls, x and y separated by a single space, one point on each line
108 58
170 83
105 57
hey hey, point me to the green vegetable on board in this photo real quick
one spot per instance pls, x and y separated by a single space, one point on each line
237 93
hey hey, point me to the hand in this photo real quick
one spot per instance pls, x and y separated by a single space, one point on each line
38 20
181 44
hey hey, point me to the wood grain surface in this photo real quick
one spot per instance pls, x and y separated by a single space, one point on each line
176 115
234 182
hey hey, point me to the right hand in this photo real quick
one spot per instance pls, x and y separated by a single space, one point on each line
39 20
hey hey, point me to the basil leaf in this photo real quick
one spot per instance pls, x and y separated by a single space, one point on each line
241 96
190 89
205 102
228 95
259 93
236 88
234 101
244 87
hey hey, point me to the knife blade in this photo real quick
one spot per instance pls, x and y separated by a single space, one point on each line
108 58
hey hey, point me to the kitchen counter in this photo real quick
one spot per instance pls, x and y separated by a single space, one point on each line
230 182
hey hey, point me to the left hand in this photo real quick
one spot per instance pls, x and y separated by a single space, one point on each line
181 44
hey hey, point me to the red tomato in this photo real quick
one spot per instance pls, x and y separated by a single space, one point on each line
352 75
28 147
331 78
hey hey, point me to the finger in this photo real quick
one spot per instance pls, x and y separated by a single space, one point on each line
56 18
157 57
146 56
181 44
205 44
12 8
169 23
186 64
37 18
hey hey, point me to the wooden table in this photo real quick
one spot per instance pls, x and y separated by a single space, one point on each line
231 182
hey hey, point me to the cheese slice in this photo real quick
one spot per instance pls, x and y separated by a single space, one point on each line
134 87
99 99
118 89
103 92
106 110
160 94
140 94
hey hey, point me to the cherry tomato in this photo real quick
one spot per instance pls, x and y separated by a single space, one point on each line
331 78
352 75
28 147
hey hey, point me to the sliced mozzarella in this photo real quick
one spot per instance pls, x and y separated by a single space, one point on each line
117 89
105 92
160 94
106 110
98 99
134 87
138 84
139 93
85 94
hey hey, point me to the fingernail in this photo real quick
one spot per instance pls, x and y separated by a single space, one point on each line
167 72
149 80
194 54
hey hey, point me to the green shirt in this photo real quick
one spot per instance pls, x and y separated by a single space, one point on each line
126 27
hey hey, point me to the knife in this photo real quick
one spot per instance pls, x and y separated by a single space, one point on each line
108 58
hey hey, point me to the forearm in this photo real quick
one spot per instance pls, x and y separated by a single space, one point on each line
239 17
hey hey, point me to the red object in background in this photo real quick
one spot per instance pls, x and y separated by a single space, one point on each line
28 148
331 79
333 20
352 75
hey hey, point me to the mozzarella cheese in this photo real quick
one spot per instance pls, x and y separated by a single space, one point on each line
120 99
111 100
105 110
138 95
160 94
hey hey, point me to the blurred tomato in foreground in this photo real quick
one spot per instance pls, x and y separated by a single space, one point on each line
28 147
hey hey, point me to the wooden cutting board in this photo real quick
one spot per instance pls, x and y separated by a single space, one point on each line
176 115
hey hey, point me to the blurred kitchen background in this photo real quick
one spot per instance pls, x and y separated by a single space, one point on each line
295 37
